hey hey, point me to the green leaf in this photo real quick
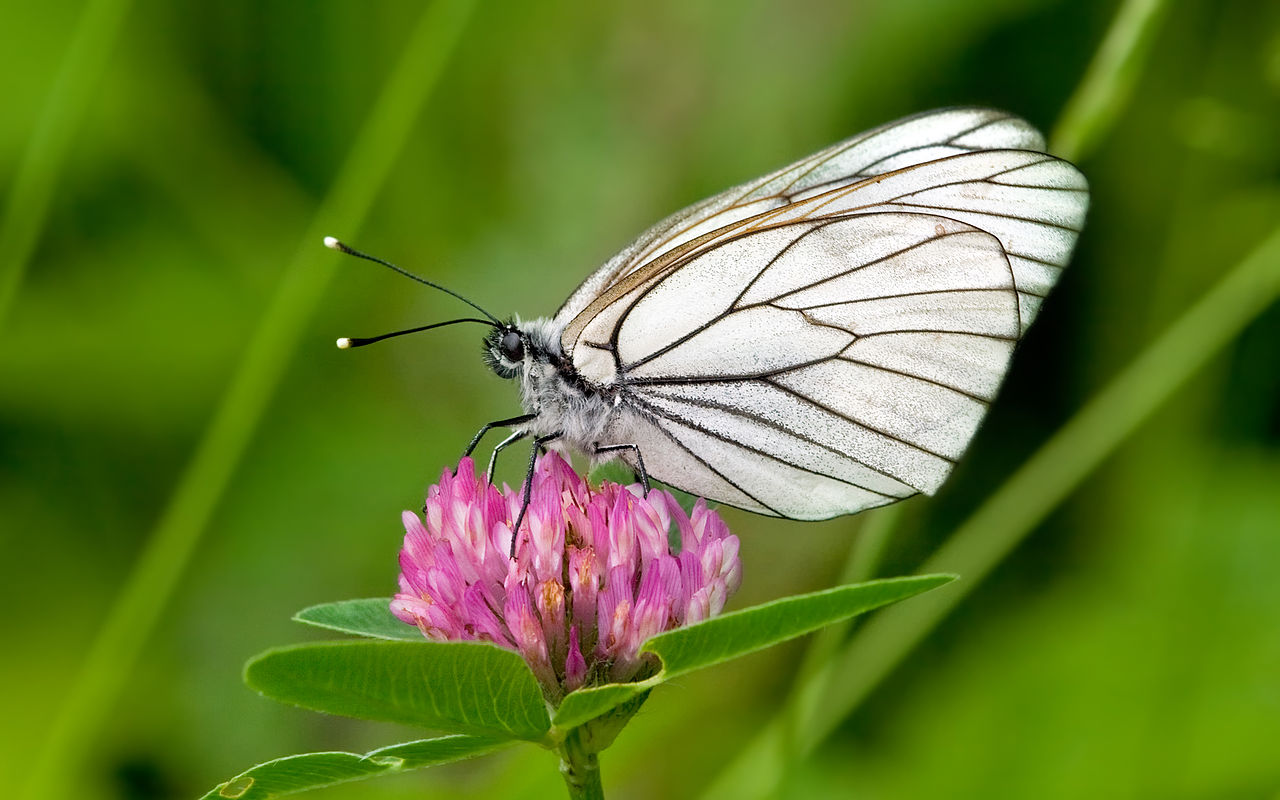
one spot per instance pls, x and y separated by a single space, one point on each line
314 770
751 629
367 617
741 632
462 687
585 705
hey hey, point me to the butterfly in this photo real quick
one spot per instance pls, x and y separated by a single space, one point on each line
816 342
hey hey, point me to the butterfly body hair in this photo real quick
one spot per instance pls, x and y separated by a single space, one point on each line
561 401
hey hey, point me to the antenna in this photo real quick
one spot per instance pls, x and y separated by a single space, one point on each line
346 342
333 244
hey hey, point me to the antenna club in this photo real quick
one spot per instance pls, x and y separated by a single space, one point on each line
344 343
332 243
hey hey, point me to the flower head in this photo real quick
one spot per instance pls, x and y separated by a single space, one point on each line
593 575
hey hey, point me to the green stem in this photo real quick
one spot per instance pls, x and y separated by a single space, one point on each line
109 661
32 190
580 768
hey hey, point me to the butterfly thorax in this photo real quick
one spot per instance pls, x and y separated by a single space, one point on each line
552 389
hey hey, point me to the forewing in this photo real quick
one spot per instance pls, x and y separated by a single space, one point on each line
815 368
1033 203
894 146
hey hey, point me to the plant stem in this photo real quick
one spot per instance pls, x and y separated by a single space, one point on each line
580 768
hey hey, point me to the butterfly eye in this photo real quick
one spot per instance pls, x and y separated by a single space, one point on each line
512 347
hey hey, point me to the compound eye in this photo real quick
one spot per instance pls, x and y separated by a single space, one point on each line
512 347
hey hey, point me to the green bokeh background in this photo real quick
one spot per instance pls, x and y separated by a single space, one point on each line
1130 648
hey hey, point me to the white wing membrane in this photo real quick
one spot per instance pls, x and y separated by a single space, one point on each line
777 486
1036 224
969 363
770 413
926 415
681 466
828 338
716 278
771 441
948 311
751 341
815 377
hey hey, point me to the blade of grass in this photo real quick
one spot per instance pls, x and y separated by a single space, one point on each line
28 202
206 178
107 664
1109 81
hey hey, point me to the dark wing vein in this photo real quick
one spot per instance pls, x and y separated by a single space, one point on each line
768 423
851 270
939 330
676 441
884 131
772 261
986 401
1050 264
688 423
867 172
891 296
806 398
847 190
1010 184
625 381
622 318
734 306
1046 223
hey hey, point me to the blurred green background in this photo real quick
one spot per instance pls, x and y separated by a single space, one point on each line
1129 648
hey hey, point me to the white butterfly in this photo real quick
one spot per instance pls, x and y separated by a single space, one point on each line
820 341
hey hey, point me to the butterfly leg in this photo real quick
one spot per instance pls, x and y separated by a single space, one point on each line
502 423
613 448
528 484
493 457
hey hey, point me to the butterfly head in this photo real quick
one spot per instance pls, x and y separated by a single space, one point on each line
515 349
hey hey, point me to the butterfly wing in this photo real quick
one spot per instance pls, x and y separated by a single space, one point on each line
902 143
828 339
827 366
